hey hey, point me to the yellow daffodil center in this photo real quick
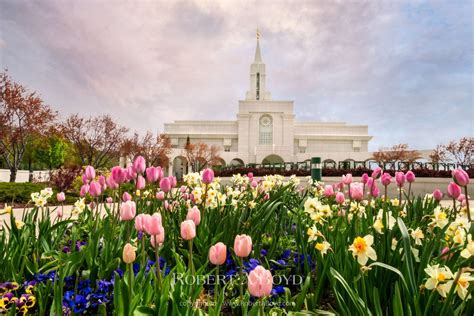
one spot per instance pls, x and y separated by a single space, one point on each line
359 244
441 277
319 246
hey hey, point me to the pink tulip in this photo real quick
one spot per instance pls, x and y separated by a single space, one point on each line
160 195
84 179
126 196
454 190
128 255
357 191
160 173
183 189
218 254
242 245
173 181
347 179
103 183
152 224
375 192
109 200
386 179
60 197
376 173
90 173
194 214
328 191
460 177
94 189
461 197
84 190
152 174
140 185
260 282
111 183
119 175
365 178
254 184
444 251
59 212
370 182
250 175
207 176
128 211
130 173
188 229
159 238
165 185
410 176
340 198
400 178
139 164
139 222
437 195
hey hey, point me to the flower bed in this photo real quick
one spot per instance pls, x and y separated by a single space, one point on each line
255 246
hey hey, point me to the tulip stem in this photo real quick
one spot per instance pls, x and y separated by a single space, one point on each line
216 285
130 281
241 273
158 268
143 251
262 309
467 203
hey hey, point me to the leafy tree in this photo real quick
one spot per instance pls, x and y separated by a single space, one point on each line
23 115
51 152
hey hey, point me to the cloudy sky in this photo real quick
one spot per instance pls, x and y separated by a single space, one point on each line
405 68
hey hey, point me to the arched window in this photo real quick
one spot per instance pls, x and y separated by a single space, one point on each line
266 130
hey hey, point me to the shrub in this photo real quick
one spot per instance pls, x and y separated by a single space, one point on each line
18 192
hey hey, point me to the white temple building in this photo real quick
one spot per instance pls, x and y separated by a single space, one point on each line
266 131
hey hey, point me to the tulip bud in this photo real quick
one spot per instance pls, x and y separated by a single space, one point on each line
242 245
111 183
165 185
218 254
260 282
152 224
126 196
207 176
188 229
386 179
152 174
160 195
90 173
375 192
94 189
129 255
460 177
139 222
437 195
347 179
357 191
84 190
400 178
139 164
365 178
158 238
118 175
376 173
103 183
60 197
59 212
127 211
340 198
194 214
454 190
140 185
109 200
410 176
328 191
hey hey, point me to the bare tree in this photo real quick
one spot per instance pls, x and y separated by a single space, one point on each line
96 139
23 114
201 155
155 149
398 152
462 151
439 154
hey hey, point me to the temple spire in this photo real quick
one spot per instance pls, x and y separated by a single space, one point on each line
258 55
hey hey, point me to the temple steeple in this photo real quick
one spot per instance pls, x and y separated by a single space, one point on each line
257 77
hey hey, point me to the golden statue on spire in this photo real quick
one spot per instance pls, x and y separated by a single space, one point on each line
258 34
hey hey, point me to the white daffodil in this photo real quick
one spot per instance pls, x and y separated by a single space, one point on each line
361 247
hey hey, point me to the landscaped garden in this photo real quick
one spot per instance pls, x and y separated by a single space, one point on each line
254 246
